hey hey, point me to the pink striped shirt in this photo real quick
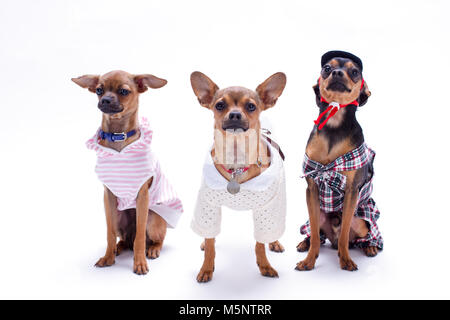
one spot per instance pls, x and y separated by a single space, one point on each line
126 171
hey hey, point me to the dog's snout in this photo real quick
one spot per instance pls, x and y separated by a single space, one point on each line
235 120
109 104
106 101
236 116
337 73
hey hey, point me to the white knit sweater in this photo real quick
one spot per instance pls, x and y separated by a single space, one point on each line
265 195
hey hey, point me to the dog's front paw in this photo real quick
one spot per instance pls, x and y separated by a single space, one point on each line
306 265
370 251
268 271
105 261
140 265
276 246
205 275
347 263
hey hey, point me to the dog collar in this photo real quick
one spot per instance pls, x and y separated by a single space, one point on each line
114 136
333 108
237 171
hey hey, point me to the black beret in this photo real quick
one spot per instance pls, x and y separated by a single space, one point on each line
341 54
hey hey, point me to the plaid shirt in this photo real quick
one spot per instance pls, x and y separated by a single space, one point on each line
331 186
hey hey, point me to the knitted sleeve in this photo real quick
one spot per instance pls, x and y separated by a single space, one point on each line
269 220
207 214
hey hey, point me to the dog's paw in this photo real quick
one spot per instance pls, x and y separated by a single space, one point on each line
347 264
154 250
105 261
276 246
370 251
268 271
140 265
303 246
205 275
306 265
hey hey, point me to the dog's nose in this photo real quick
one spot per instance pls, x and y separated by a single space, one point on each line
337 73
235 116
105 101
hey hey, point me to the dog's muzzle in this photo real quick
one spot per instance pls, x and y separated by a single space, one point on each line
109 105
337 85
235 125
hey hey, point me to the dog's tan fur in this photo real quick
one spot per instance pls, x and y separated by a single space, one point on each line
318 149
150 227
236 98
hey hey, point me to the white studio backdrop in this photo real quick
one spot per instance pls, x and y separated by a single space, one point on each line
52 221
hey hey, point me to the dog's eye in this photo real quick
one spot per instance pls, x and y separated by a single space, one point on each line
124 92
327 69
99 91
220 105
251 107
355 72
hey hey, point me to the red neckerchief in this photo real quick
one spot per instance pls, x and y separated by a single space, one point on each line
334 107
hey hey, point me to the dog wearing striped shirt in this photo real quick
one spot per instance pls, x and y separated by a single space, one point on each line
338 167
139 201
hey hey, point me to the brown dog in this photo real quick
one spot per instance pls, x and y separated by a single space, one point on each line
137 227
236 117
336 155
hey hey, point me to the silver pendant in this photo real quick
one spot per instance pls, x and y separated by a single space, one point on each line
233 186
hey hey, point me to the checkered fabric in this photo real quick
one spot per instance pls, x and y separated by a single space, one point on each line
331 186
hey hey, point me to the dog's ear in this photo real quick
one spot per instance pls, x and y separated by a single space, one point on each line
145 81
317 93
88 81
364 95
271 89
204 88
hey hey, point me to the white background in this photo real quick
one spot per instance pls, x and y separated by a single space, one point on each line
51 218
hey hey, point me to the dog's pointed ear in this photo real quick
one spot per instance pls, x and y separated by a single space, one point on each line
88 81
145 81
271 89
317 93
204 88
364 95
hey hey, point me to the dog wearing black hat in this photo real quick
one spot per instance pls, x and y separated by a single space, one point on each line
338 167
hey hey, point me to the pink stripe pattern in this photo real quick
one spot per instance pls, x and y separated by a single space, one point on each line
126 171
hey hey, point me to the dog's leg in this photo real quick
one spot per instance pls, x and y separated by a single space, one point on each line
140 261
350 203
206 272
312 200
120 247
261 260
156 231
359 229
110 202
276 246
202 245
303 246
